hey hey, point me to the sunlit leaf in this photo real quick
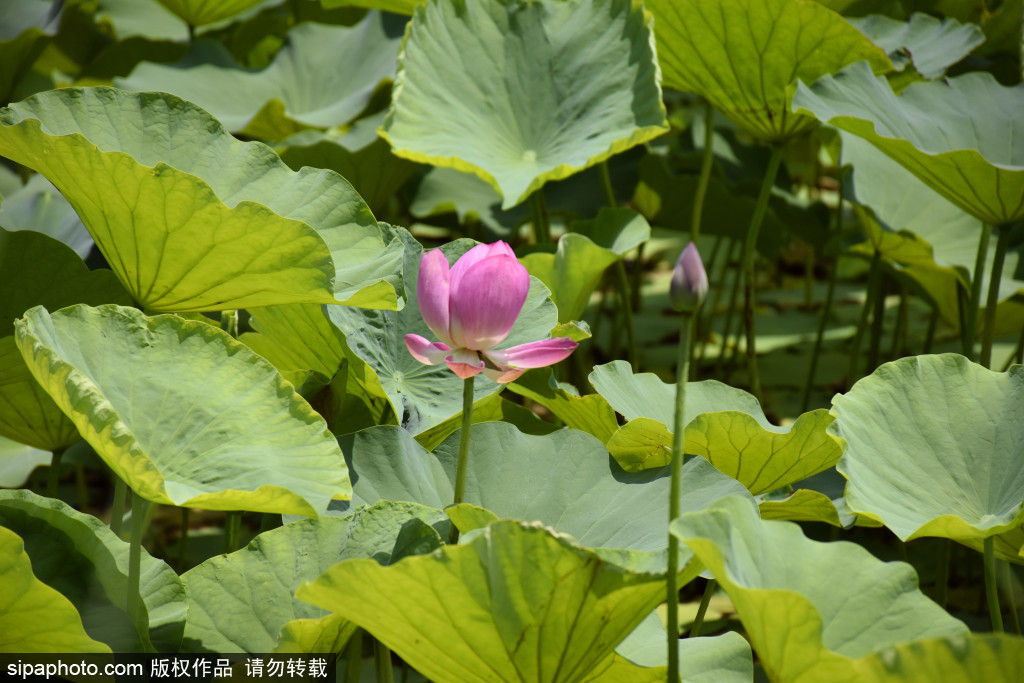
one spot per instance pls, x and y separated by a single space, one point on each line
242 601
39 206
973 657
929 44
33 616
322 77
743 55
534 115
202 12
590 413
192 219
542 608
967 484
196 419
723 424
804 628
79 556
969 154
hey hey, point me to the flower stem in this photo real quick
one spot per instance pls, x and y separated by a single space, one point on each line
117 512
676 467
53 476
627 310
970 323
460 471
750 273
140 507
729 314
993 295
877 322
541 227
705 172
991 589
705 600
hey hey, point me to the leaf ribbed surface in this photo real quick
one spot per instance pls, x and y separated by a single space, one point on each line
540 607
723 424
202 12
521 92
929 44
743 55
971 155
33 616
195 419
934 446
802 627
241 602
191 219
323 76
82 558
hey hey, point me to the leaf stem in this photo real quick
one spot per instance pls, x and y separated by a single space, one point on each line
136 611
705 600
993 295
627 310
183 541
826 310
382 658
1011 596
606 184
933 325
232 530
53 476
730 313
942 573
705 171
676 468
991 588
460 471
539 212
877 322
354 656
970 323
858 337
117 512
750 272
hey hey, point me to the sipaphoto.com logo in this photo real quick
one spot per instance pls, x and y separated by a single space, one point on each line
62 669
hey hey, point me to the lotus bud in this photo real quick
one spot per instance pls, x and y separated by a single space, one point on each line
689 281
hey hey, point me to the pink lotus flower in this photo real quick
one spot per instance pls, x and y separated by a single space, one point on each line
471 307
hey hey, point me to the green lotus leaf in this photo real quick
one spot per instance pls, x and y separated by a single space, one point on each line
805 505
33 616
744 55
973 657
38 206
723 424
493 408
929 44
322 77
801 627
709 659
191 219
424 396
940 255
615 228
533 115
195 420
202 12
405 7
445 190
242 601
966 153
39 270
374 172
564 479
571 273
966 485
590 413
79 556
542 607
18 461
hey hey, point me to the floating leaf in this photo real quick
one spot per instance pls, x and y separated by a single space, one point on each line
79 556
322 77
191 219
240 602
966 485
33 616
968 154
424 396
534 115
564 479
38 270
542 608
743 55
723 424
196 419
800 625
